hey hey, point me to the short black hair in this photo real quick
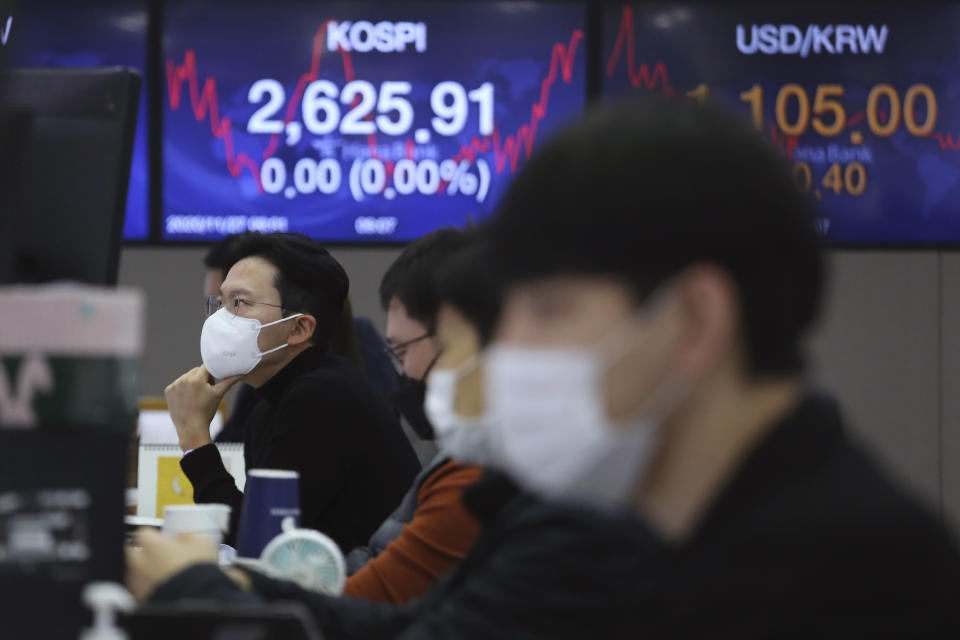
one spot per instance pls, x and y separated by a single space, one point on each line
308 278
640 190
221 255
410 277
469 281
343 340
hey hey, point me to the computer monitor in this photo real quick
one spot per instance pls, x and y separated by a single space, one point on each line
368 122
69 135
90 34
863 105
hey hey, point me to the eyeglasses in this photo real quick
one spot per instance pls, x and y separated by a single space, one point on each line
397 352
213 304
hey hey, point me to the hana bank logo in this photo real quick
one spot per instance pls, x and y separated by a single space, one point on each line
792 40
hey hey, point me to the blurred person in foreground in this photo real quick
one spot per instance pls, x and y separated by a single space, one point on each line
271 327
662 272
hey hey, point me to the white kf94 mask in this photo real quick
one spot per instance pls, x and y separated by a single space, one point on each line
550 427
462 438
228 343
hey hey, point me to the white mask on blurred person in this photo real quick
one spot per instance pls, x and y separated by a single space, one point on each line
551 427
228 343
465 439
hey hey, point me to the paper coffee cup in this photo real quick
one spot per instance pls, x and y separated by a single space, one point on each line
210 520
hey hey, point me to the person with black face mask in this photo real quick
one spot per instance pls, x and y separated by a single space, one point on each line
408 397
411 304
431 529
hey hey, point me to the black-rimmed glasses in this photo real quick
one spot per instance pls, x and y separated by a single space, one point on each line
214 303
396 352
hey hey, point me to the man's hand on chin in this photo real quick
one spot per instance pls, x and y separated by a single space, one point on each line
193 399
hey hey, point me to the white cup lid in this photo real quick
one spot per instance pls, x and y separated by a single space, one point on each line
196 518
272 473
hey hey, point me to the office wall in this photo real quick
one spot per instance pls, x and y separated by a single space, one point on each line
879 350
888 347
950 387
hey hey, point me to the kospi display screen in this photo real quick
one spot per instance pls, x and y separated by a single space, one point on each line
864 101
357 121
89 33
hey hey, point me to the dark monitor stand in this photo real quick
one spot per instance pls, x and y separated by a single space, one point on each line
68 141
61 526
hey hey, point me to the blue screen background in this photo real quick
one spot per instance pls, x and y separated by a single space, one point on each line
523 49
97 33
913 189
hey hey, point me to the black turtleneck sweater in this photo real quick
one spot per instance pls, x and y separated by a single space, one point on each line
320 417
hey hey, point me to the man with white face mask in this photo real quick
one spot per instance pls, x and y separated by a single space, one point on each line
344 339
469 293
662 271
270 326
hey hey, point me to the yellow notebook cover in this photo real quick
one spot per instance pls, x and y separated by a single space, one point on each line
161 481
173 487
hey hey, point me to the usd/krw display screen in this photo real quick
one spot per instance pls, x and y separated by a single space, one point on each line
863 100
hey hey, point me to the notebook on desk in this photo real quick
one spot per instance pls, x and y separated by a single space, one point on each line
161 481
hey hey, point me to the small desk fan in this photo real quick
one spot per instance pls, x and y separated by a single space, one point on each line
306 557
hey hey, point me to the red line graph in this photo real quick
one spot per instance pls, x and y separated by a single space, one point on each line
561 64
783 143
316 57
642 75
637 74
860 115
947 141
205 105
856 118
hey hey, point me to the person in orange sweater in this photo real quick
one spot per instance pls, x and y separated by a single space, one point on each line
455 300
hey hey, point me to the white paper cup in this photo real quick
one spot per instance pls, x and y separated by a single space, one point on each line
205 519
